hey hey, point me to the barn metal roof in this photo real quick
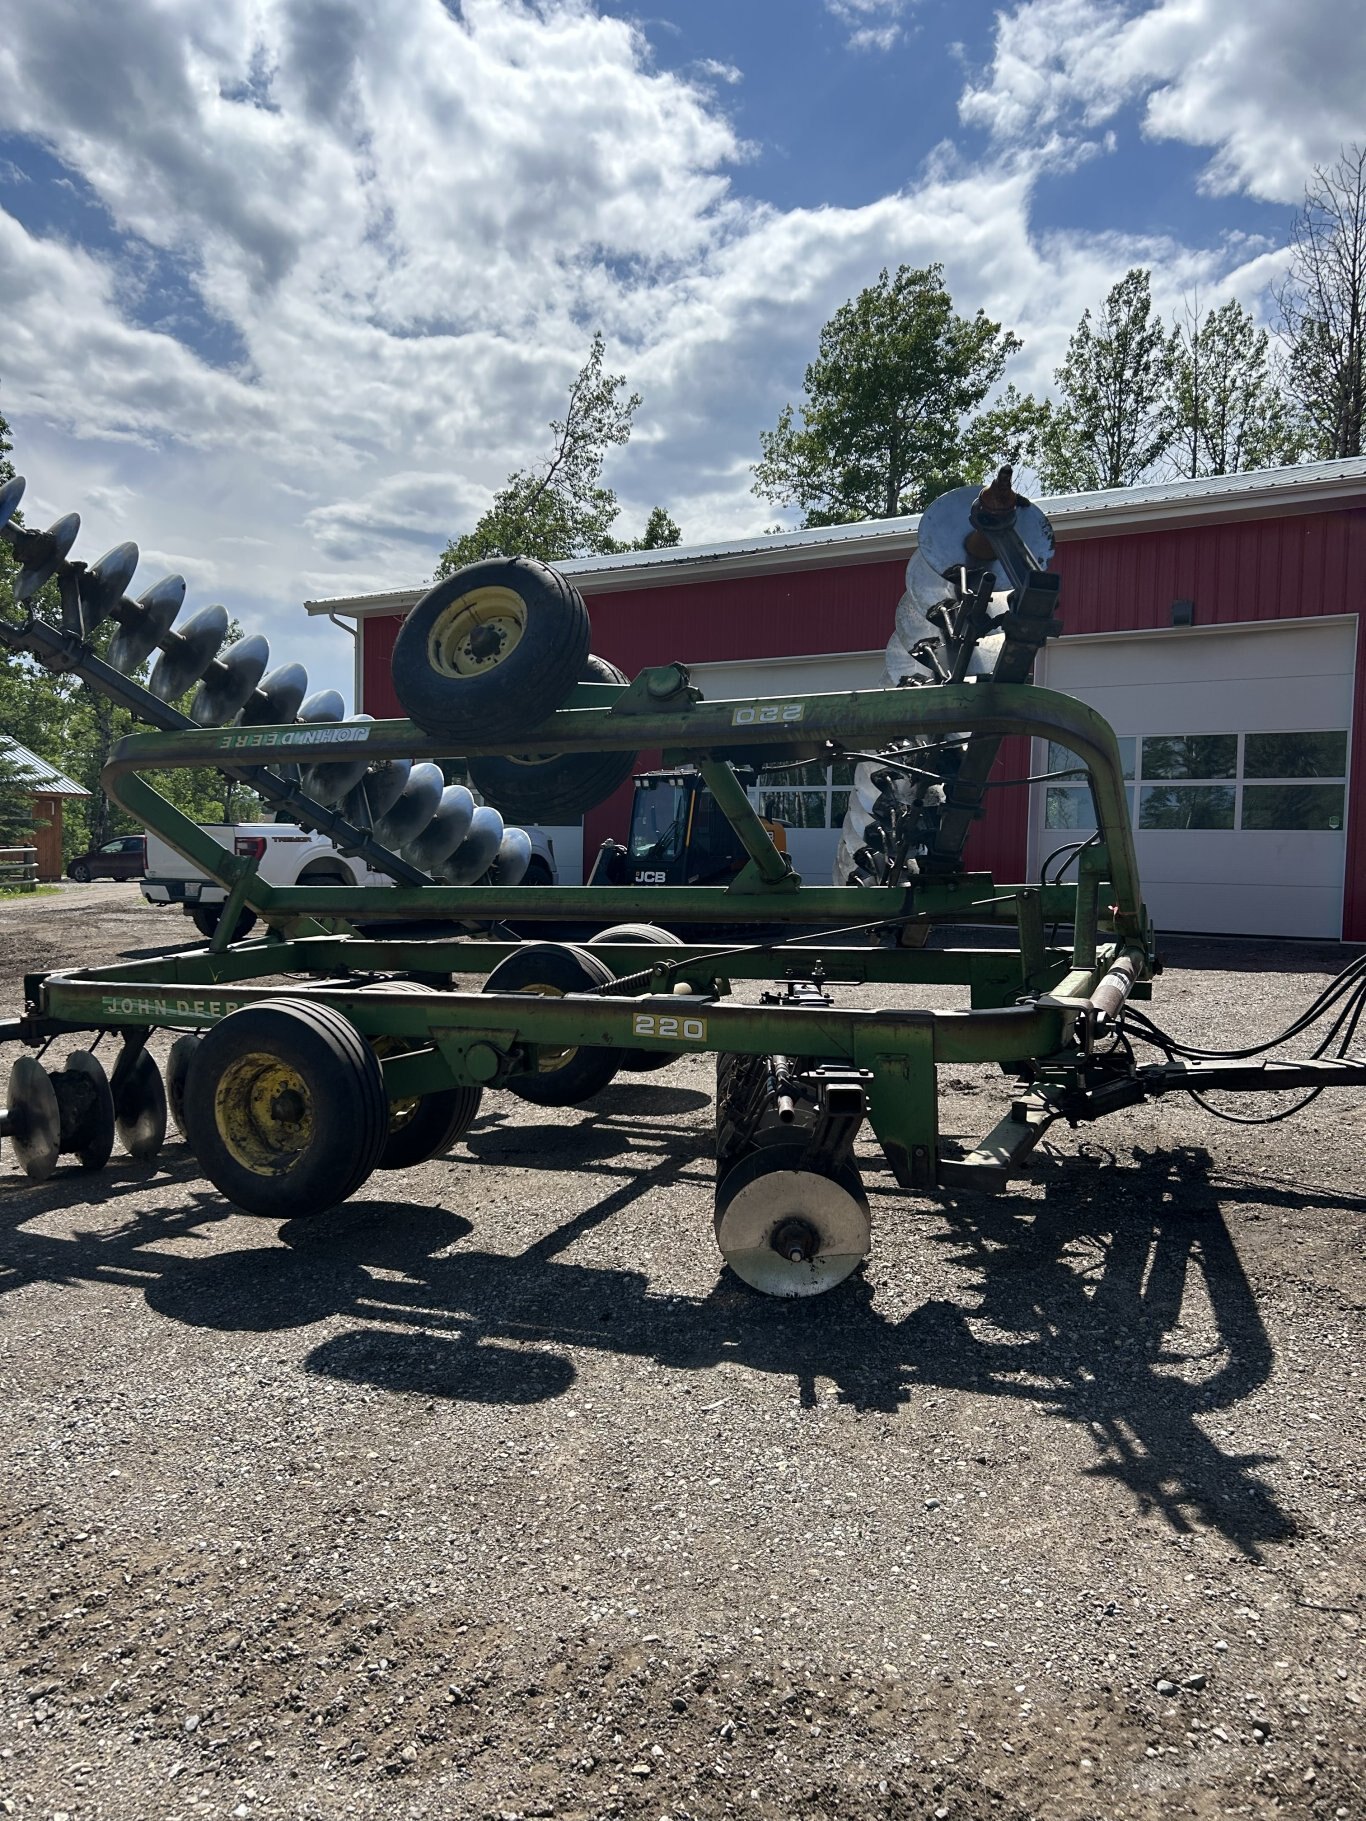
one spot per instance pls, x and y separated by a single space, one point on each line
45 779
1264 493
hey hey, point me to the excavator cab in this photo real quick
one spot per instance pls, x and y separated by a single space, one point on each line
678 836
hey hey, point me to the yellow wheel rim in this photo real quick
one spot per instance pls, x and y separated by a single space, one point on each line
401 1112
264 1113
476 632
548 1060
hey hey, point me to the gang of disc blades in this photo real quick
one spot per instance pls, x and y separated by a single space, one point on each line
188 652
35 1119
91 1135
145 624
228 688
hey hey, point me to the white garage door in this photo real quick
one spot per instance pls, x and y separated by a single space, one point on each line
809 800
1236 743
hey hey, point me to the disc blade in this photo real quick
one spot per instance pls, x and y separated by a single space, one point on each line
900 666
830 1217
418 803
446 830
177 1074
330 783
324 705
946 525
10 495
139 1105
513 857
93 1138
189 651
477 852
145 624
104 585
226 690
57 540
925 587
377 792
278 698
35 1119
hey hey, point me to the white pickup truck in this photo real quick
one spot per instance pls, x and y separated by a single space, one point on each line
286 855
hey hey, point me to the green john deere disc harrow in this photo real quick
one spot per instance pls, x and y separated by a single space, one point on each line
372 1058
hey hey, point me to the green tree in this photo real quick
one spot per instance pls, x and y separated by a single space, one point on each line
1114 421
16 802
886 419
560 509
1322 304
1229 407
660 533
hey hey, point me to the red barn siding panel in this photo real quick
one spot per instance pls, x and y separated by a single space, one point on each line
1354 892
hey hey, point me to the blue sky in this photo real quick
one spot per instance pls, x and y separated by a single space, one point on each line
293 284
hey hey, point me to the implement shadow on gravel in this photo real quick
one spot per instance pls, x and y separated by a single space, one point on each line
1072 1302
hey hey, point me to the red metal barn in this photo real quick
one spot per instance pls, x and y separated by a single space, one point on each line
1216 624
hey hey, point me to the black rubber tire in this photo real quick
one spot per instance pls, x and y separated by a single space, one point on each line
640 1062
561 968
207 917
538 873
80 872
555 786
342 1077
513 692
436 1121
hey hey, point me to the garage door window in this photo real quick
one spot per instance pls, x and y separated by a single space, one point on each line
1250 781
805 796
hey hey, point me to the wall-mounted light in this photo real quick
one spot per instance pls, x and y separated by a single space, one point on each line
1183 613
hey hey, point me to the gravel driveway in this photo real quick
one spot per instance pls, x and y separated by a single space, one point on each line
491 1495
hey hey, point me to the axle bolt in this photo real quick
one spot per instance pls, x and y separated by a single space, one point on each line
795 1240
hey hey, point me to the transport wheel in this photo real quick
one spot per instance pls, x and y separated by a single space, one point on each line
183 1052
641 1061
788 1230
563 1078
286 1107
80 872
425 1125
491 650
207 917
139 1105
555 786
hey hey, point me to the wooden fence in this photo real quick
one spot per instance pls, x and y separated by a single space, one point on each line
18 869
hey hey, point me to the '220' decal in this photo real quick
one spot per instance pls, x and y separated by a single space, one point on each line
766 713
662 1024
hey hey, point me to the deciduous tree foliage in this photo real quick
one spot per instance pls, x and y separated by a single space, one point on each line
1323 306
887 418
561 509
1229 407
1114 420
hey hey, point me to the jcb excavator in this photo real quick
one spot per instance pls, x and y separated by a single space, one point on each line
678 836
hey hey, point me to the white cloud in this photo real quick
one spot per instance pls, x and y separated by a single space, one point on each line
1272 87
873 25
